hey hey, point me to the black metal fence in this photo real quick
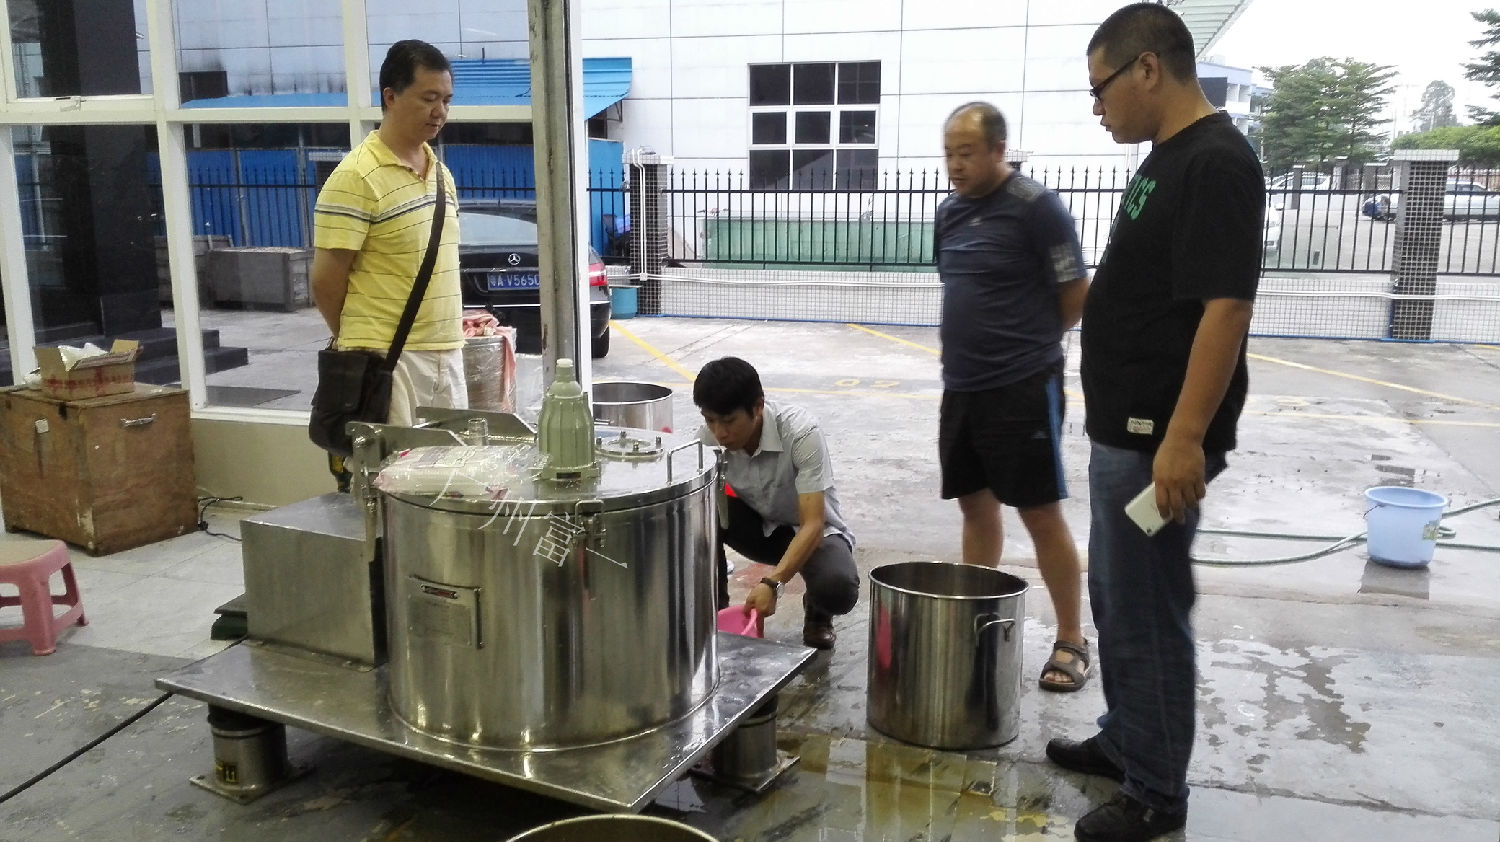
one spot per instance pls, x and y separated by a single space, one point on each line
1317 221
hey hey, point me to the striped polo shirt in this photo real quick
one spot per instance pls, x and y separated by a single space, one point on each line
377 206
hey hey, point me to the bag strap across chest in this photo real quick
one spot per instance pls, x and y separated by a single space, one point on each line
424 275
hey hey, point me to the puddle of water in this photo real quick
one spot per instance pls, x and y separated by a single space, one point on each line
847 788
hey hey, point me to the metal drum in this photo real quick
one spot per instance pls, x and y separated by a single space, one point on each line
615 828
945 654
531 614
491 382
623 404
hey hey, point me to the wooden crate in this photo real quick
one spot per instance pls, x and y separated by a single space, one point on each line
107 473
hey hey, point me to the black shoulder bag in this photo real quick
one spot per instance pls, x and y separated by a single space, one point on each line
355 385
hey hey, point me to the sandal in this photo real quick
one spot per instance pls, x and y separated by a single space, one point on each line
1076 669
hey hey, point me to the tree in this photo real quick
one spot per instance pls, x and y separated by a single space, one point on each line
1436 111
1487 68
1478 146
1323 109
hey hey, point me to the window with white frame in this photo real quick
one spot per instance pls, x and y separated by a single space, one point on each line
812 125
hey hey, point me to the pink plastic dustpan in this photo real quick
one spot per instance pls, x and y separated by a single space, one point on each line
737 619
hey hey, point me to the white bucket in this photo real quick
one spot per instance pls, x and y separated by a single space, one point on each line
1402 524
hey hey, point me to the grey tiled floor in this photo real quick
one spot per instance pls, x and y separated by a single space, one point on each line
152 599
1339 699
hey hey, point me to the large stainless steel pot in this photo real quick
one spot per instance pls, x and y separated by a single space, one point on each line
643 405
945 654
563 614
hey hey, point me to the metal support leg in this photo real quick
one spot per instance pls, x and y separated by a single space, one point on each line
748 758
249 757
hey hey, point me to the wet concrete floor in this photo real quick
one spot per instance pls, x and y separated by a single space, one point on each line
1339 698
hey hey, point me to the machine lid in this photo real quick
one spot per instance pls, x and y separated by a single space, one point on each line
628 446
636 468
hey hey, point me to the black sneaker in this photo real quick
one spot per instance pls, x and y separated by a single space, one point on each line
1124 819
1086 757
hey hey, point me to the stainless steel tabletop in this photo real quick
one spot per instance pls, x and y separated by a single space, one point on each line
349 702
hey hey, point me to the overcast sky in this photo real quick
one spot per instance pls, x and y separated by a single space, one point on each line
1425 40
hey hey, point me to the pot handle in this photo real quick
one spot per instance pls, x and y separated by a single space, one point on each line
721 498
684 446
985 622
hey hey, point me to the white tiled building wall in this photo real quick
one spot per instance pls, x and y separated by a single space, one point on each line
689 97
689 93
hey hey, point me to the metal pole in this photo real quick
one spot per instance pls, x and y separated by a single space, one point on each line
557 120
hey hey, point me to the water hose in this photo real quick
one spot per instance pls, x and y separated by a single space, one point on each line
1338 543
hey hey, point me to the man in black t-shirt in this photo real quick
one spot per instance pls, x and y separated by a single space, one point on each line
1164 379
1013 282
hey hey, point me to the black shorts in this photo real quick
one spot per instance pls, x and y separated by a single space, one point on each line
1006 439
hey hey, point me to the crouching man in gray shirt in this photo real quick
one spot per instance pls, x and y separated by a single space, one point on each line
783 510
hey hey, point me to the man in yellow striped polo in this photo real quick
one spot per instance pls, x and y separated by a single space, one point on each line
372 223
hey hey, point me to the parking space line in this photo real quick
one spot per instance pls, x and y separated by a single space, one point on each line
1371 380
648 348
935 352
866 393
1260 357
690 376
1321 416
897 339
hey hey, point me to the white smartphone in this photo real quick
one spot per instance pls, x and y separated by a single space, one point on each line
1143 511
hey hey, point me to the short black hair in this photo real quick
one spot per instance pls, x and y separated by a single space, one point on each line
399 69
727 384
990 119
1147 28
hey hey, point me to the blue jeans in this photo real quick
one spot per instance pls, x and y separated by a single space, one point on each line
1142 593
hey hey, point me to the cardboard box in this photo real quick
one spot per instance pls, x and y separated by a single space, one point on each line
104 374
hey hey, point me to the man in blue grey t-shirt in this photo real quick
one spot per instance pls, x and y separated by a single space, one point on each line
1013 282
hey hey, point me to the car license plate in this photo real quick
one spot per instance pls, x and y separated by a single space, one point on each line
513 280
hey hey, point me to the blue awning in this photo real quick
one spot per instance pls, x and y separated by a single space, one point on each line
505 81
606 81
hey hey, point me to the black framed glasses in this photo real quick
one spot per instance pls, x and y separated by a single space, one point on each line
1098 90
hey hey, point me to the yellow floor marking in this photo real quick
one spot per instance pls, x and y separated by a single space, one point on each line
1318 416
1069 392
896 339
662 358
1260 357
677 367
1372 380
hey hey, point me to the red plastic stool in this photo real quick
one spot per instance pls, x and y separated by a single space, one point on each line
31 572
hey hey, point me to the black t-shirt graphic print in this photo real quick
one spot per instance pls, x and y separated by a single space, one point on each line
1188 230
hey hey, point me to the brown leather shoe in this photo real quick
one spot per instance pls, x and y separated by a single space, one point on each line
818 634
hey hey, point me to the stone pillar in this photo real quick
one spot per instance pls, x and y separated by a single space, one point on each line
88 47
1294 187
107 251
1421 177
648 175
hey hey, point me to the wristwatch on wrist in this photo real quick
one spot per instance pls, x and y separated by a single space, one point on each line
774 585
